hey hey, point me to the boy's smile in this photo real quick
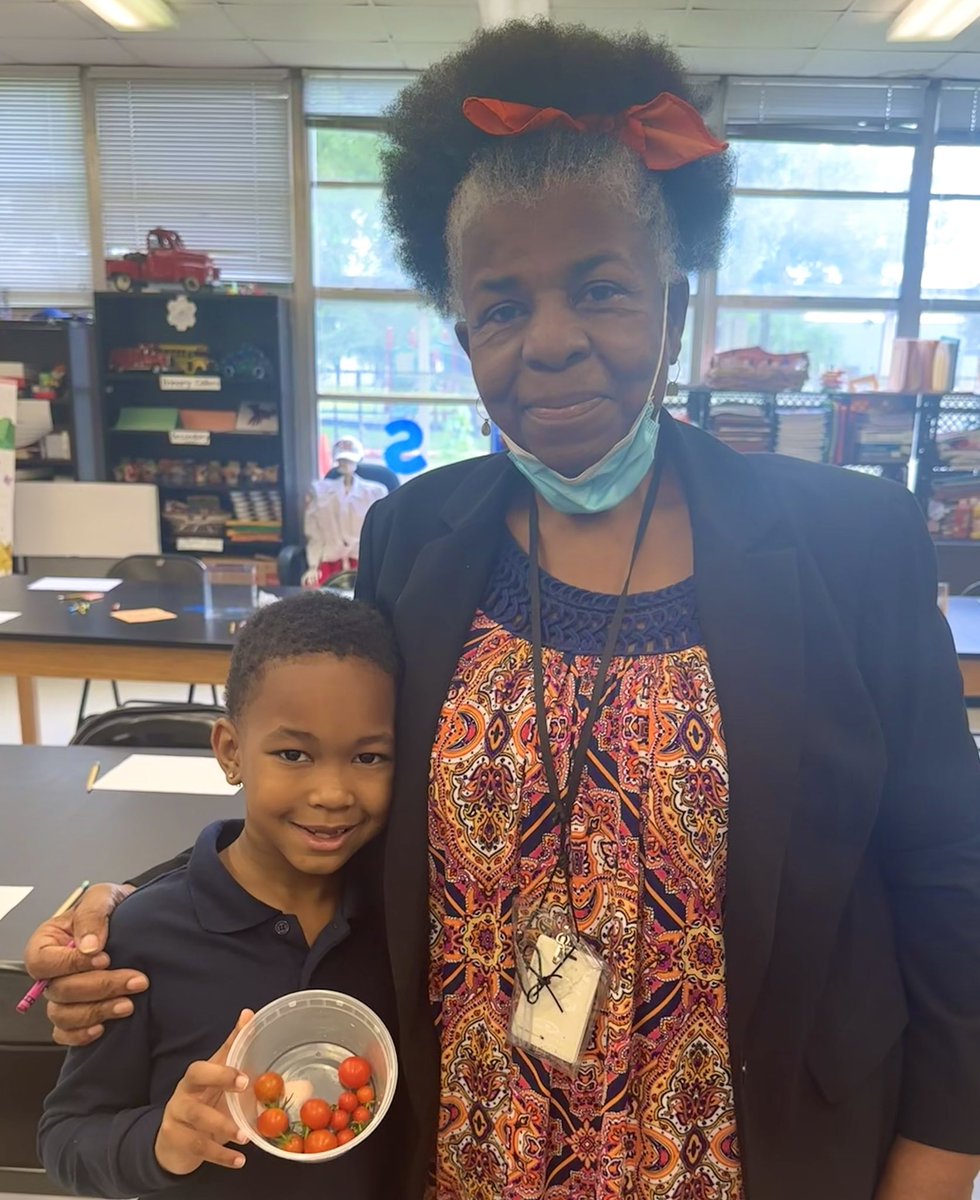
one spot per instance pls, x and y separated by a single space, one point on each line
314 749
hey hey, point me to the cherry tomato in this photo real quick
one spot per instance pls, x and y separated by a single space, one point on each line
340 1120
348 1101
292 1143
345 1136
320 1140
268 1088
272 1123
315 1114
365 1095
354 1072
360 1116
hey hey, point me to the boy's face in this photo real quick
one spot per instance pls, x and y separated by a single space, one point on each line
314 749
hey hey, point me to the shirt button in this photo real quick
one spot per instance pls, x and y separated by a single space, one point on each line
282 927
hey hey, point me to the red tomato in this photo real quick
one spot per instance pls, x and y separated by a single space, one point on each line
268 1088
272 1123
292 1143
348 1101
354 1072
320 1140
315 1114
360 1116
365 1095
340 1120
345 1136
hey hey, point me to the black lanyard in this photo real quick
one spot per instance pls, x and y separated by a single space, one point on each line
564 799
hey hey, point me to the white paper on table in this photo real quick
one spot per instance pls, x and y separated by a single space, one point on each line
8 616
188 775
10 897
72 583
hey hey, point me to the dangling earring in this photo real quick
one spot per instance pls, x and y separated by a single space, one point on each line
482 412
672 389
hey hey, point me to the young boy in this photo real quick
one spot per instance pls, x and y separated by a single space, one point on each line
263 908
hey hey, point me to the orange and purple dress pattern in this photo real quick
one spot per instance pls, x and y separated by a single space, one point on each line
651 1111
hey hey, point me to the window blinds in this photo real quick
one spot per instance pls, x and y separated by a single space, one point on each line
44 230
959 112
778 108
210 159
350 93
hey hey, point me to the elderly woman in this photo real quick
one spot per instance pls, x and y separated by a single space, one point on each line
682 880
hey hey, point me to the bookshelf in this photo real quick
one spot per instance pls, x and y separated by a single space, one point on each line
204 411
44 349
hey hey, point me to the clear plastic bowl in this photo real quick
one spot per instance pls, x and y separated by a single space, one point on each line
304 1038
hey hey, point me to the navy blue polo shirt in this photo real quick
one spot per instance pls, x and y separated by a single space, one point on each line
209 949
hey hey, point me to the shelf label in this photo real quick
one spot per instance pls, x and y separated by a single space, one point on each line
190 383
201 544
190 437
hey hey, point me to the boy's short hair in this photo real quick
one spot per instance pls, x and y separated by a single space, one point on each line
314 623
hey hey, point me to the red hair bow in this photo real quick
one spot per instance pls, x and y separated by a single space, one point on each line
666 133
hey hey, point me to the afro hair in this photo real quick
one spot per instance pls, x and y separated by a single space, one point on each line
313 623
431 146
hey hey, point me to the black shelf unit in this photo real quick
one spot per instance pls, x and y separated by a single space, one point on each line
205 476
43 346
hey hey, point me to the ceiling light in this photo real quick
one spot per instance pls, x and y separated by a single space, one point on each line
130 16
496 12
934 20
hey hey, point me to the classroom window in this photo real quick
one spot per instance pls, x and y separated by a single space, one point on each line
45 257
859 343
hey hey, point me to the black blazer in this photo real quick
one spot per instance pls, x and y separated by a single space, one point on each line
852 921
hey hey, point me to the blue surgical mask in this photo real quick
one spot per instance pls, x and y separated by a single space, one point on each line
616 475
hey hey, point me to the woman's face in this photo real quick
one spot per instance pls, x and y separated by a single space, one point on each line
563 303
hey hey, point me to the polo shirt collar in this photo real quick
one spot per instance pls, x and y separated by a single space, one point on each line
222 905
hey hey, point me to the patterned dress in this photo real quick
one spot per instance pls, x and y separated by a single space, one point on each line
651 1113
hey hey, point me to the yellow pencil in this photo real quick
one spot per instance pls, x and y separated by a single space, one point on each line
93 776
73 899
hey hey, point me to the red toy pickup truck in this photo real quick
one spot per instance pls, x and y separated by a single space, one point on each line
166 260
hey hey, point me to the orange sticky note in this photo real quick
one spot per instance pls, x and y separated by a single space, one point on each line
142 616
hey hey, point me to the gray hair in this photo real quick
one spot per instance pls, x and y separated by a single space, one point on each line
515 171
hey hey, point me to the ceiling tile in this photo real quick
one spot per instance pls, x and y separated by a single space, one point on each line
766 7
745 62
154 51
859 63
205 21
562 8
331 54
963 66
299 22
44 18
92 52
772 30
416 56
859 31
885 6
424 23
661 22
473 5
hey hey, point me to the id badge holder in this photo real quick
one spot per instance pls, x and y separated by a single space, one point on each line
561 984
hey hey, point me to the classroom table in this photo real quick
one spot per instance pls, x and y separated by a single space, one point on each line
49 640
964 621
53 834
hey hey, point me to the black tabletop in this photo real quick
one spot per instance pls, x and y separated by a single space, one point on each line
964 620
54 834
45 617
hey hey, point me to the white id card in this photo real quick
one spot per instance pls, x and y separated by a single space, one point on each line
556 998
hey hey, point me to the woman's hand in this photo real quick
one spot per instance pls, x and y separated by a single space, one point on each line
83 993
197 1126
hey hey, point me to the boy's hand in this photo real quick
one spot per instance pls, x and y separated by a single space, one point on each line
196 1124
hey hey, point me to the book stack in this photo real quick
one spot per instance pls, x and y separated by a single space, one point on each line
923 365
960 451
744 427
803 433
884 437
